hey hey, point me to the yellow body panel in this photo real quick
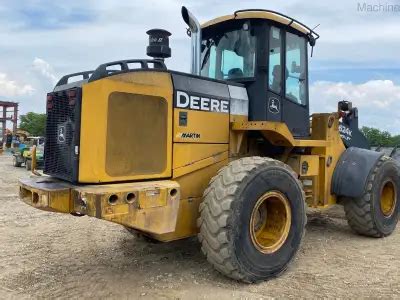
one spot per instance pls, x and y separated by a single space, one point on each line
238 141
326 127
186 225
194 165
304 165
193 186
212 127
92 163
278 134
187 154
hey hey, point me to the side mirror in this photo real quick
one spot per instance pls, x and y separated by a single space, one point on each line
311 40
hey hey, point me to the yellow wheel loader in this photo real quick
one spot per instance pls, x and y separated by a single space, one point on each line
228 152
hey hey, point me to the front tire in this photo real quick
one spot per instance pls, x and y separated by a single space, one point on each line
376 213
252 219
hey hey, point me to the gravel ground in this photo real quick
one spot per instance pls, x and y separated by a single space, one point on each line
48 255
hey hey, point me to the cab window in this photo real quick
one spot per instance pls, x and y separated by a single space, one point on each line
231 61
275 66
296 69
229 55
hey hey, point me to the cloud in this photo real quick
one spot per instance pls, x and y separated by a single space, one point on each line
45 69
36 17
378 101
11 88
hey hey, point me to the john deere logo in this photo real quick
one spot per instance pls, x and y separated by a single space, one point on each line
61 134
274 105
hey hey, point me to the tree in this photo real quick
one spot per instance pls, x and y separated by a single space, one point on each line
34 123
396 140
377 137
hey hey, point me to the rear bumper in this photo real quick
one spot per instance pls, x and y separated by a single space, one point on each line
150 207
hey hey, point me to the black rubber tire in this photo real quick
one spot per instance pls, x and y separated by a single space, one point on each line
16 163
364 215
140 236
225 216
28 164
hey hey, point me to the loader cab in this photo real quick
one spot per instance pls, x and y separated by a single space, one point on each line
266 53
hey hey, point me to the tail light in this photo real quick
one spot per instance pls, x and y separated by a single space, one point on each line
71 97
49 101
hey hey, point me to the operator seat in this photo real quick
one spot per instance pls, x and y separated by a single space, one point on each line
276 79
235 73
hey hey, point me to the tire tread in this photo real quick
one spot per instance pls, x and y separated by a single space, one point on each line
359 212
216 210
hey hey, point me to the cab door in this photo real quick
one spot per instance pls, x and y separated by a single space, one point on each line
287 95
275 75
295 111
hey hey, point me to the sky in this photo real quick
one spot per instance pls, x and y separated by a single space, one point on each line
356 59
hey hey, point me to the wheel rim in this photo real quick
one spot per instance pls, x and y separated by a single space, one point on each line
270 222
388 198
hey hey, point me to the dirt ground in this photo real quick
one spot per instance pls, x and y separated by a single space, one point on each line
60 256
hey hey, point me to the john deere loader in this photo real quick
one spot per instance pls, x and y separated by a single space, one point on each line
228 152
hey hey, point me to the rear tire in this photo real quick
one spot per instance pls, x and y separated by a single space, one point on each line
376 213
227 223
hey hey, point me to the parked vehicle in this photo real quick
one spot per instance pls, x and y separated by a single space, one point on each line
23 154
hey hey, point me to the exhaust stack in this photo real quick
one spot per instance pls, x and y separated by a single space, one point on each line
195 31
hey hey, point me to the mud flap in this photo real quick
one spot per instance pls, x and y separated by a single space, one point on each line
352 170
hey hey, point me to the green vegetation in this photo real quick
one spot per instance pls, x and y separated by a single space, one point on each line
34 123
377 137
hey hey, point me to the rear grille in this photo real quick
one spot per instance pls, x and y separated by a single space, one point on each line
62 134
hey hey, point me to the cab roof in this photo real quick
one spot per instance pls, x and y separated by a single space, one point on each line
263 14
